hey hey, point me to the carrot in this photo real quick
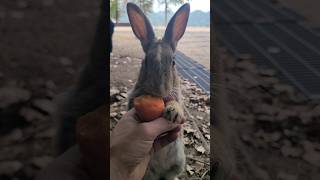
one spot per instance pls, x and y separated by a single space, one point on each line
148 107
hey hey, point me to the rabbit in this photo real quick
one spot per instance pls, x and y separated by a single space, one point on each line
88 93
158 77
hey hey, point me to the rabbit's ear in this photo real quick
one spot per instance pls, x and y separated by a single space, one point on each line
177 26
140 25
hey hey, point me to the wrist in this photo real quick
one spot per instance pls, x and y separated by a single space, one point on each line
117 170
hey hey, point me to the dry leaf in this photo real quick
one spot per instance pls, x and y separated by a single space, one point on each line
207 136
189 129
198 166
190 170
200 149
113 114
187 141
197 135
205 130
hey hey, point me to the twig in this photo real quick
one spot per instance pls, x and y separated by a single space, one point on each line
198 160
204 174
195 125
117 120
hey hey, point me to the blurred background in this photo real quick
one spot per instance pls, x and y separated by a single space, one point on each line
270 51
44 44
195 42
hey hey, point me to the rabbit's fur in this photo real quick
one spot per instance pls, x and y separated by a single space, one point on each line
158 76
88 93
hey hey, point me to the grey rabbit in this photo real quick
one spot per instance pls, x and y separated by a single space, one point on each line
158 76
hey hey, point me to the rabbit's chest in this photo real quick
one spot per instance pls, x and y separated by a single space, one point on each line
169 161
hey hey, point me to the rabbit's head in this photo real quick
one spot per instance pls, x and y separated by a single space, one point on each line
158 74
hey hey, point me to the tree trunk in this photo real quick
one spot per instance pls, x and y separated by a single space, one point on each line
140 2
117 12
166 12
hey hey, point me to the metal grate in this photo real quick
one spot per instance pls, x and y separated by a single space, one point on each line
234 16
193 71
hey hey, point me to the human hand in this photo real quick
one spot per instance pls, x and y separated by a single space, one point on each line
132 144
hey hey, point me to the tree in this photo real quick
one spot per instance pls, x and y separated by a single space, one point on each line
145 5
117 7
166 6
114 10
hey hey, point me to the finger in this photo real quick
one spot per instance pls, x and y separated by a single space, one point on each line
165 140
158 126
130 113
176 129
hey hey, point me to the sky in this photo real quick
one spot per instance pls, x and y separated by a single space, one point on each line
203 5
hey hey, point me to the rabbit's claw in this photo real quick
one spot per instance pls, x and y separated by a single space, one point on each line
173 112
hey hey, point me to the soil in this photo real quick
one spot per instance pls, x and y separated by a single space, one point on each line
195 43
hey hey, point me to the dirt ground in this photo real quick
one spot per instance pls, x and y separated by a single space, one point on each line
195 43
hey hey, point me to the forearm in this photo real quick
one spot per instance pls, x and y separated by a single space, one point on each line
116 171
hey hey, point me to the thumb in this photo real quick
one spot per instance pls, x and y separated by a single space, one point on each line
158 126
166 139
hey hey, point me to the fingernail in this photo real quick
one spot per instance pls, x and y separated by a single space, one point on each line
177 129
172 137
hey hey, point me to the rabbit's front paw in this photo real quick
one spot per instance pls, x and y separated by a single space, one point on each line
174 112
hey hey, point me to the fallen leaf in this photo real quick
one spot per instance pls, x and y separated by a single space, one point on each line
197 135
190 170
114 91
207 136
198 166
189 129
200 149
205 130
187 141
